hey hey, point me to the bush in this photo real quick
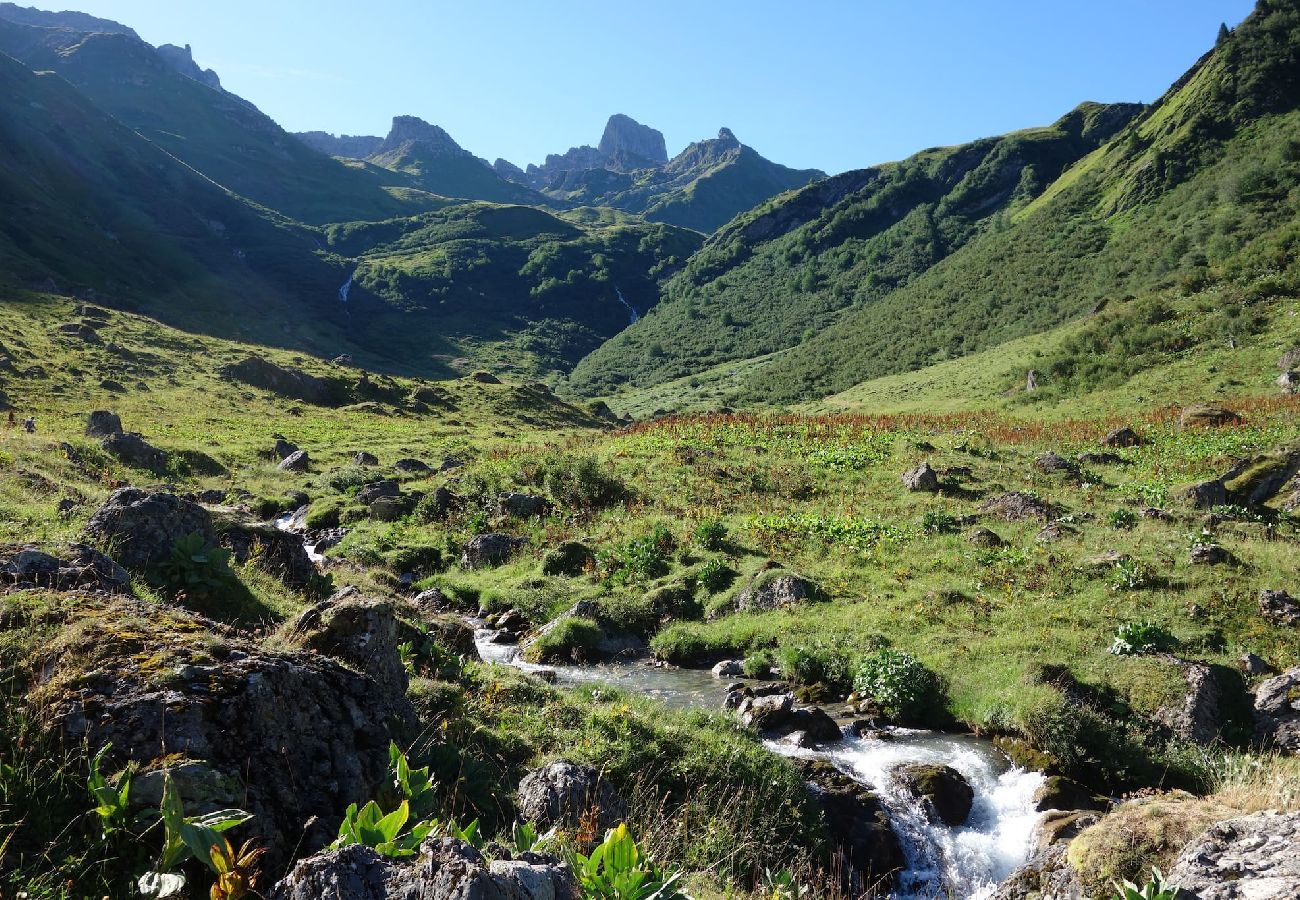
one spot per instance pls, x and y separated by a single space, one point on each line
578 482
816 665
759 664
903 687
574 639
1144 636
715 575
711 535
640 559
1123 519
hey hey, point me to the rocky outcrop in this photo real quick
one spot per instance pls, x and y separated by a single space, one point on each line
280 380
1015 506
1205 494
410 131
1279 608
922 478
297 461
867 852
1254 857
521 506
944 793
102 423
279 554
485 550
563 793
1260 478
1122 437
1052 463
628 140
766 713
1205 415
62 568
444 869
182 60
1214 693
771 588
349 146
1277 712
140 528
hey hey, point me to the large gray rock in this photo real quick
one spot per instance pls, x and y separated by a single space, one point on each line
626 138
280 380
766 713
1122 437
1205 710
102 423
62 568
444 869
484 550
1255 857
772 588
131 448
297 461
1279 608
523 506
1015 506
562 793
1205 494
1205 415
140 528
944 792
867 853
280 554
922 478
1277 712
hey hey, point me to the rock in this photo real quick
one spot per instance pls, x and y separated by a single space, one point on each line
372 492
431 601
816 726
867 852
771 589
102 423
569 558
412 466
1060 826
62 568
1053 532
142 527
1205 415
486 550
281 380
1099 459
1213 694
943 791
522 506
921 478
984 537
1205 494
1046 876
361 633
132 449
1015 506
443 869
1060 793
1210 555
766 713
284 449
81 332
1260 478
451 462
299 734
562 793
1289 360
279 554
1279 608
1255 857
1122 437
362 458
737 693
388 509
1289 382
1277 712
297 461
626 138
729 668
1051 463
1250 664
485 378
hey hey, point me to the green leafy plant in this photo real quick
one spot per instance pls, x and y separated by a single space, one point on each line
937 522
1155 889
782 885
903 687
386 834
196 567
415 786
1123 519
1130 575
617 870
524 837
759 664
710 535
112 798
185 837
714 576
639 559
1144 636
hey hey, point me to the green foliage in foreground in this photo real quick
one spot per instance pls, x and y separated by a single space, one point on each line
1155 889
616 870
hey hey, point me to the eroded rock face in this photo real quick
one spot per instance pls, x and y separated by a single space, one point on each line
1213 693
1277 712
444 869
868 853
944 792
562 793
1254 857
62 568
140 528
280 380
766 713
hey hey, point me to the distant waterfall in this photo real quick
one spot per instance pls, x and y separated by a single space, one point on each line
346 289
633 315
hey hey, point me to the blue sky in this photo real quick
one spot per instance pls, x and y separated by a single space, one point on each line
831 85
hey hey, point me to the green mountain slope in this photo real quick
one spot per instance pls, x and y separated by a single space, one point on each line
1201 189
794 265
219 134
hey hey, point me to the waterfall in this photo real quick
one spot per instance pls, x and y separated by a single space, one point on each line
346 289
633 316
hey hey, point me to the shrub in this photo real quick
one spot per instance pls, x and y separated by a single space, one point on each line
903 687
639 559
617 870
715 575
1123 519
759 664
1143 636
579 482
710 535
1131 575
816 665
936 522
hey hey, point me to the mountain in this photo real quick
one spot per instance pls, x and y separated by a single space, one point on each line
75 21
219 134
702 187
779 273
349 146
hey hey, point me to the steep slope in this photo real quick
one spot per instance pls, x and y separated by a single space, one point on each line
778 273
215 132
1201 189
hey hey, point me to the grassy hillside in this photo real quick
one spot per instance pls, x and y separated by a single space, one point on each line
787 270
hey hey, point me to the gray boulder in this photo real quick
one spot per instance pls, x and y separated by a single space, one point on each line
388 509
766 713
1205 709
816 726
922 478
984 537
62 568
372 492
1122 437
1051 463
522 506
1279 608
486 550
281 380
279 554
1277 712
944 792
1210 555
297 461
867 854
362 458
1205 415
1205 494
772 588
729 668
1015 506
1255 857
140 528
284 449
102 423
562 793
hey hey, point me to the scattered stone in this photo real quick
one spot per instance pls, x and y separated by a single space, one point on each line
363 458
562 794
570 558
521 506
284 449
142 527
387 509
280 380
729 668
102 423
1205 494
451 462
984 537
1053 532
62 568
1205 415
867 852
131 448
1277 712
922 478
1289 382
1254 857
1099 459
1051 463
1122 437
112 386
1015 506
375 490
1289 360
430 601
766 713
1279 608
944 792
412 466
1151 512
1210 555
81 332
297 461
774 589
1259 479
486 550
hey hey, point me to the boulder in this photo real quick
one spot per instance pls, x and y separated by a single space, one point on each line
570 558
1048 875
1260 478
563 793
867 854
132 449
1214 694
772 588
1289 360
388 509
81 332
1279 608
766 713
141 527
484 378
297 461
412 466
431 601
1051 463
279 554
102 423
944 792
72 567
1210 555
362 458
1015 506
284 449
984 537
1060 826
922 478
522 506
729 668
1277 712
1053 532
443 869
373 491
1205 494
816 726
1060 793
486 550
1122 437
1289 382
1205 415
1255 857
281 380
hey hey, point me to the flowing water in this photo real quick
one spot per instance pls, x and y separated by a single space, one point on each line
633 315
964 862
294 523
346 289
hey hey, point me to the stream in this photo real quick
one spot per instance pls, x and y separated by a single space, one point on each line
633 315
964 862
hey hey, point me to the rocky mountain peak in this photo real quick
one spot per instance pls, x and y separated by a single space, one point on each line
726 134
626 137
410 131
182 60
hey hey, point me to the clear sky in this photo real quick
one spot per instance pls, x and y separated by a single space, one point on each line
808 83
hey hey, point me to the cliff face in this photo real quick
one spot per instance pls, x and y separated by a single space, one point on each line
182 60
349 146
626 138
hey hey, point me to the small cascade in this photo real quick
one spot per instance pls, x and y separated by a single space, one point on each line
633 315
295 523
346 289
